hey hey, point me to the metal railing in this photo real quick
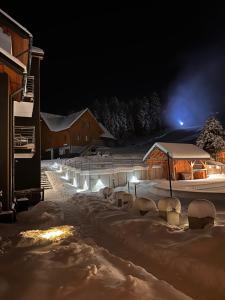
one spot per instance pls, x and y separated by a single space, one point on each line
24 137
29 89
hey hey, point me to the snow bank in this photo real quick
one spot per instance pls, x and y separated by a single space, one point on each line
76 270
144 204
45 213
201 209
169 204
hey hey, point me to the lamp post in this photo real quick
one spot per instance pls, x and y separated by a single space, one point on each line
169 174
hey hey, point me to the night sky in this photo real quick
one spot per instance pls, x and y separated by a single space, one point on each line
93 52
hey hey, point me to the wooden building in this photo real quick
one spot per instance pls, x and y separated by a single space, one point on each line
186 161
71 134
19 74
220 156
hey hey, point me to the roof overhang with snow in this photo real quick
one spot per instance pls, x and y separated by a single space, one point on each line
58 122
180 151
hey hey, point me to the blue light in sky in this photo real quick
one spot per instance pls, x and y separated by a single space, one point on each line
181 123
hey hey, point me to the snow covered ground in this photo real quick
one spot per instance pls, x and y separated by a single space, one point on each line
95 250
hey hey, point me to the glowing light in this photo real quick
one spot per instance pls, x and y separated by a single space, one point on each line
51 234
55 165
181 123
60 170
75 182
99 185
134 179
217 167
66 177
85 187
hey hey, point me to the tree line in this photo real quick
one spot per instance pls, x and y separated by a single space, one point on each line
138 116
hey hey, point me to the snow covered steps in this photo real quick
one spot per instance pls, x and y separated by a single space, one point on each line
45 183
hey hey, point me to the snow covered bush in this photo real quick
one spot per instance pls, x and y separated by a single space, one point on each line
145 205
211 138
201 213
122 198
169 204
107 192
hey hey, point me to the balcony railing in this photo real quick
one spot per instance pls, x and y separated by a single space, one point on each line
28 94
24 140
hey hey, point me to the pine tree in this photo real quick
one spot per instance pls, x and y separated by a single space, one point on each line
155 111
211 138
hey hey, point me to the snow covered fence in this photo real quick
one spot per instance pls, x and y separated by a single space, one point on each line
95 179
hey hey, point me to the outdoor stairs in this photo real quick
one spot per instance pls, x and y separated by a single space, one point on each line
45 183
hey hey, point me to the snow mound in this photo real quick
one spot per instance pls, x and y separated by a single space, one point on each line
45 212
169 204
201 209
144 204
106 192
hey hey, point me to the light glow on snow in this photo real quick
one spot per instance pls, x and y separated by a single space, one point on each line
84 189
66 177
75 182
55 165
51 234
99 185
134 179
60 169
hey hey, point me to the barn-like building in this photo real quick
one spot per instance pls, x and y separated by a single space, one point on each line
186 161
71 134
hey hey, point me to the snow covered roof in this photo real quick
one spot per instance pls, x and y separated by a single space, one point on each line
22 29
214 163
59 122
106 133
180 151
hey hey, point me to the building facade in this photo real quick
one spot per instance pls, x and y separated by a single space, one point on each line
71 134
19 114
177 161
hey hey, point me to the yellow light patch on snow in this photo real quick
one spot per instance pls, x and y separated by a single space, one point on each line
51 234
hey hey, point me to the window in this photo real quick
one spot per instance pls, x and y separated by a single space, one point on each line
78 137
86 138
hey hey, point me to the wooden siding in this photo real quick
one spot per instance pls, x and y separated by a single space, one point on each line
220 156
85 126
158 167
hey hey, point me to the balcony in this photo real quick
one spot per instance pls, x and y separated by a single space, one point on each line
24 141
25 107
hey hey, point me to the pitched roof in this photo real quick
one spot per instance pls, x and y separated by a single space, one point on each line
180 151
106 133
6 18
59 122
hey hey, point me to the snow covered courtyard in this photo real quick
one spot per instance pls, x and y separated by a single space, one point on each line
81 246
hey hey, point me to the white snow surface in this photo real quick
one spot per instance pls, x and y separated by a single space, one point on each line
169 204
180 151
113 253
201 208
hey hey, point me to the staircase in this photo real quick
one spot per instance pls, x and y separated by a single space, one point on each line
45 183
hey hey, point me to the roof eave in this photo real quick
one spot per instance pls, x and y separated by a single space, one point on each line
9 21
12 62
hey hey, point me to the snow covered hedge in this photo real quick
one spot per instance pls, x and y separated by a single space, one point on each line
145 205
169 204
201 209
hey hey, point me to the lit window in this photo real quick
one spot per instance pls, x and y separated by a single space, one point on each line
78 137
86 138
